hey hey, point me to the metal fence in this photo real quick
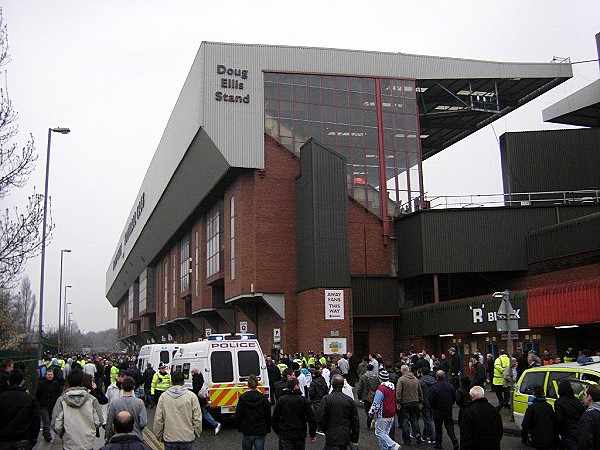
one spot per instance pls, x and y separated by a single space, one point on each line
584 197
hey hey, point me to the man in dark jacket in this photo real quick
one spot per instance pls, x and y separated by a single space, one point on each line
539 423
318 389
253 415
47 393
274 376
281 386
291 415
339 420
441 399
478 372
568 411
124 437
427 381
197 383
147 380
481 425
455 366
588 433
19 415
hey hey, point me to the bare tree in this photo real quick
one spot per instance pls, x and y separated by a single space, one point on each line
20 234
23 308
10 337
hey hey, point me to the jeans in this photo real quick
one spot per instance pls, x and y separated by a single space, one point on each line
179 445
208 417
428 429
46 416
382 430
148 397
300 444
250 442
446 419
410 416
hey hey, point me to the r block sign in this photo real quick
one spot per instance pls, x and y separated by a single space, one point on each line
334 304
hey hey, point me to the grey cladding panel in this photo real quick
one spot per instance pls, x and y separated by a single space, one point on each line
565 239
553 160
322 219
470 240
376 296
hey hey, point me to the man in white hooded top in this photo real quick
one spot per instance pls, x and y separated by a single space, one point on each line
178 419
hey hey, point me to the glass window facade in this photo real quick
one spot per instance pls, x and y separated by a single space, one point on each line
214 250
184 247
165 288
232 236
372 122
143 290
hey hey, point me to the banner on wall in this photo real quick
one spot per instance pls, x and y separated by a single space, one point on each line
334 346
334 304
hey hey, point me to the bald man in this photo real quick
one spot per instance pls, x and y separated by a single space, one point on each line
481 425
124 437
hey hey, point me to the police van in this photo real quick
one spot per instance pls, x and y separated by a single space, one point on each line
580 374
156 354
225 361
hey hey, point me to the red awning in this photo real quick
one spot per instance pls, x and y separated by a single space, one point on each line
564 304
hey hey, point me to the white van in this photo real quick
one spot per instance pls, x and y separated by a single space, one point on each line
156 354
226 361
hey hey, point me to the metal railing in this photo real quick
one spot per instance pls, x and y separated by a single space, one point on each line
590 196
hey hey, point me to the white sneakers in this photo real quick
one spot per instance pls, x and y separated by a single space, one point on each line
218 428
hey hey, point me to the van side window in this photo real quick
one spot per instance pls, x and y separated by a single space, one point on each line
530 380
176 368
553 380
221 367
186 371
590 377
248 363
164 357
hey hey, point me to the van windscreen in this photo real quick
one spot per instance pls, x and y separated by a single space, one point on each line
221 367
248 363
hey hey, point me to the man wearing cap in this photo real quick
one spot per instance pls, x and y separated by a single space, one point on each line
384 409
160 382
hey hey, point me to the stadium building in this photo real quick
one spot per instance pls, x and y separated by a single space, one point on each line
286 199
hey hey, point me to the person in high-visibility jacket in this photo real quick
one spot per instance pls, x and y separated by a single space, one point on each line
114 371
500 365
161 381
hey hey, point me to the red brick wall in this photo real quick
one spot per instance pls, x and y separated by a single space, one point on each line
312 326
368 255
381 335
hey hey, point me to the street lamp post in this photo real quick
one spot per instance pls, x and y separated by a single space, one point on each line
68 286
70 332
60 301
66 310
44 221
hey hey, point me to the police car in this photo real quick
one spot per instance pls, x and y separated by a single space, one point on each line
580 374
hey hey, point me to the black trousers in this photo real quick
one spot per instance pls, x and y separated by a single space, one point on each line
446 419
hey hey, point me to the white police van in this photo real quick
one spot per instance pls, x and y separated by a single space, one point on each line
226 361
156 354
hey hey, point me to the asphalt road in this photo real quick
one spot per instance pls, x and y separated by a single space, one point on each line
230 438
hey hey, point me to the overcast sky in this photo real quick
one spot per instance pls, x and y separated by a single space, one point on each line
112 70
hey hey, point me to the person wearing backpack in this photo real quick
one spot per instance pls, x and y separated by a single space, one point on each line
367 385
76 416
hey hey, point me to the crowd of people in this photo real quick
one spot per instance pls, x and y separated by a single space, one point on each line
78 397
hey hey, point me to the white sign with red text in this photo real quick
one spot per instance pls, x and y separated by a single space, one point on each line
334 304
